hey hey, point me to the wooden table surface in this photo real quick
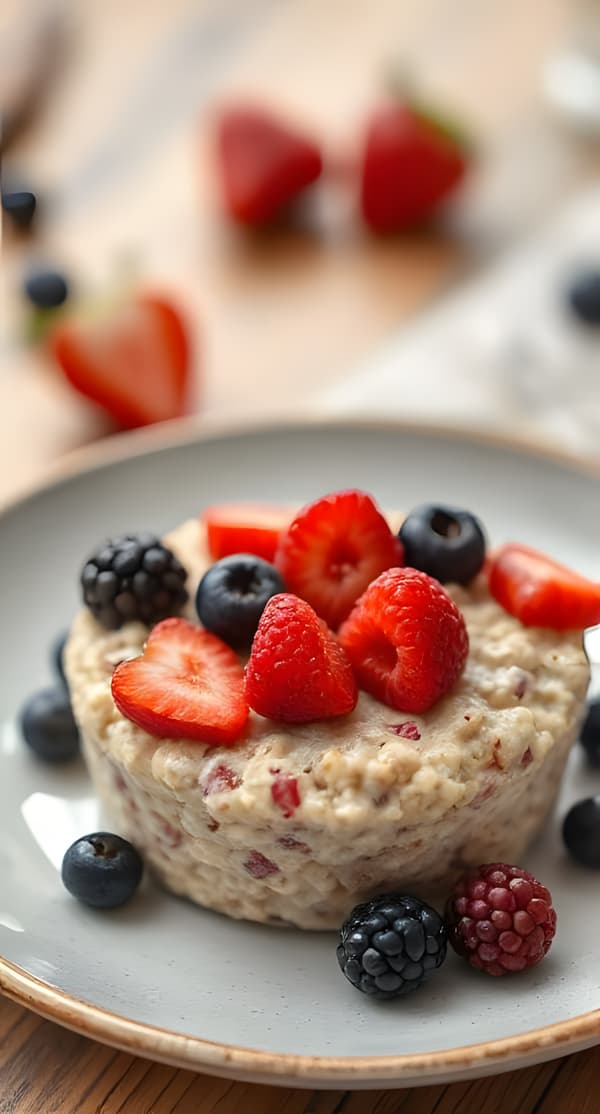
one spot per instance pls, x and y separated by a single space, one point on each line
118 147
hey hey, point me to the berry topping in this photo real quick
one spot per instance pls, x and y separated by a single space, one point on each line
20 206
581 832
245 528
285 794
259 866
406 639
102 870
232 594
391 945
263 164
407 730
411 163
590 734
297 671
48 725
540 592
187 684
133 577
445 542
46 289
58 659
220 779
333 549
584 296
133 360
500 919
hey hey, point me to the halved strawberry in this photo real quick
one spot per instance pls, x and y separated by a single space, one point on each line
134 361
245 528
187 684
263 163
541 592
297 672
333 549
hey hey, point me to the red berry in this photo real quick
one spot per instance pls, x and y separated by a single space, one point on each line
259 866
220 779
245 528
187 684
297 671
541 592
133 361
333 549
500 919
263 163
410 165
285 793
406 639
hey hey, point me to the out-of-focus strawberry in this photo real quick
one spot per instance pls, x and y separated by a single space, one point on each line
411 162
133 359
263 163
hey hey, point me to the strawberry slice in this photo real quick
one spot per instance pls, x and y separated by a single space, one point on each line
245 528
187 684
411 163
333 549
133 361
297 671
263 163
541 592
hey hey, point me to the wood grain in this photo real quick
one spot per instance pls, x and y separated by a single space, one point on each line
119 150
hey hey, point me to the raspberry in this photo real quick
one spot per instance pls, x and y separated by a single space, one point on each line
406 639
333 549
500 919
297 671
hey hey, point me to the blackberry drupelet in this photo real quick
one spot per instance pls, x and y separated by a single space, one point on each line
391 945
133 577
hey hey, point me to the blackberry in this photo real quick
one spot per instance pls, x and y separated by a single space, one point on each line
133 577
390 945
500 919
444 542
590 733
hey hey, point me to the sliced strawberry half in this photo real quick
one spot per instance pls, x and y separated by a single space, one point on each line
245 528
133 360
333 549
541 592
187 684
297 671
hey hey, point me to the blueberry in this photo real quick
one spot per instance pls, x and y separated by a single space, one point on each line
48 725
46 289
584 296
19 206
102 870
444 542
58 662
581 832
231 596
590 734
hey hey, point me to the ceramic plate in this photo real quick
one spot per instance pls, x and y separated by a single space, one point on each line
174 982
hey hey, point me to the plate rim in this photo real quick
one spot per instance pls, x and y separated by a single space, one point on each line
179 1049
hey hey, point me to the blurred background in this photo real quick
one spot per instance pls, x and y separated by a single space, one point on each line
119 197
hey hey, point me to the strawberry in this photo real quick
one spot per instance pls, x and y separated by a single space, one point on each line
410 163
541 592
297 671
187 684
245 528
263 164
406 639
134 361
333 549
